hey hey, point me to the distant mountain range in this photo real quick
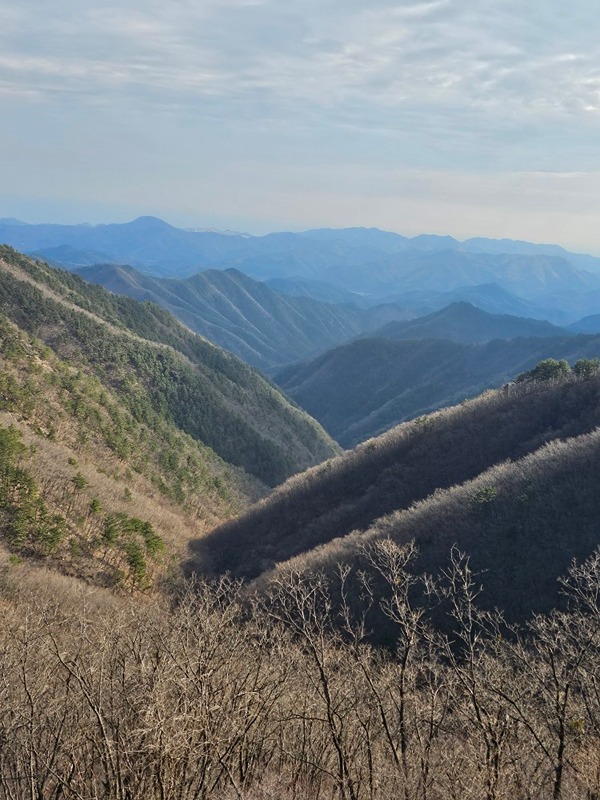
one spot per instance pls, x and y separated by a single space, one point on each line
464 322
265 328
376 265
292 304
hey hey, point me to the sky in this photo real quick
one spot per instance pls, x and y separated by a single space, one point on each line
461 117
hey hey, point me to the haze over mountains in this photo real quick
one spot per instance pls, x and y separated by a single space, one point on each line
94 380
464 322
265 328
373 263
279 300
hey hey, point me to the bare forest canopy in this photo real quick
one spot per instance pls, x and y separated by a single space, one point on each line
510 476
218 696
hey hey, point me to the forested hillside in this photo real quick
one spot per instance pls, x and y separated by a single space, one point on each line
520 522
122 434
363 388
404 466
265 328
160 367
90 490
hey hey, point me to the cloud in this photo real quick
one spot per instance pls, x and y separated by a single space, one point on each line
334 87
500 58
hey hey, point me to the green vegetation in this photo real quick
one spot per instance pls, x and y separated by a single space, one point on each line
52 394
137 539
28 527
586 367
261 326
547 370
281 689
365 387
161 371
26 524
551 370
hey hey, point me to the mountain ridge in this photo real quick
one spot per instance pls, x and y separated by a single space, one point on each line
264 327
172 364
397 469
393 381
464 322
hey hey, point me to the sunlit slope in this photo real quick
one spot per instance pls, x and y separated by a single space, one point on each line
88 490
158 367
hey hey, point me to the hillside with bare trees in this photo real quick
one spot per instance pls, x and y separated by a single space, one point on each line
410 464
215 696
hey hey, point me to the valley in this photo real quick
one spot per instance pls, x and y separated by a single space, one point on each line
302 586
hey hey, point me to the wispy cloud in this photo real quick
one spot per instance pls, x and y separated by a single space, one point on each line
478 55
449 85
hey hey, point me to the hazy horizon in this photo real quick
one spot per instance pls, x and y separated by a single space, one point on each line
470 119
260 231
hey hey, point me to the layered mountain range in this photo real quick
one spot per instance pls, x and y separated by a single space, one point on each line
264 327
136 453
412 368
428 309
375 264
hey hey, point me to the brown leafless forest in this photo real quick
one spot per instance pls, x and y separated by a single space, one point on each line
223 695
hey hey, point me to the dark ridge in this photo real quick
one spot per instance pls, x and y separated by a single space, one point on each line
395 470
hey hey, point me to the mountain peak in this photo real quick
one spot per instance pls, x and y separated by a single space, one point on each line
150 223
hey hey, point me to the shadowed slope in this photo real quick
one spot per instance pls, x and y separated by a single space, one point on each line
521 524
397 469
365 387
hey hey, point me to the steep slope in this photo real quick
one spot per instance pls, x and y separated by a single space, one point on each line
245 316
521 523
88 489
398 469
364 387
463 322
159 367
